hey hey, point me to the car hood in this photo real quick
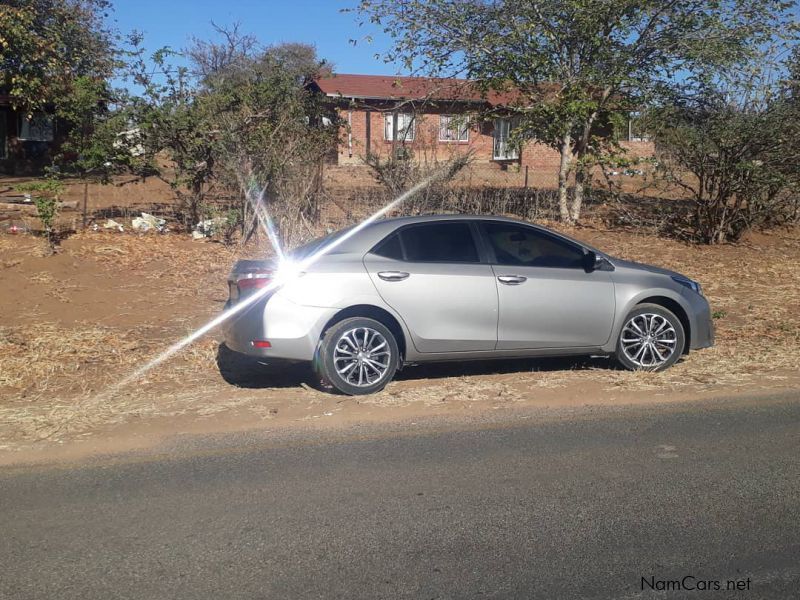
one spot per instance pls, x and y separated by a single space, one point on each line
629 264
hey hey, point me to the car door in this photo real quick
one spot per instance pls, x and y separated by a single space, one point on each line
431 274
546 297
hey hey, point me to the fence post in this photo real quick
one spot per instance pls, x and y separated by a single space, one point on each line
85 200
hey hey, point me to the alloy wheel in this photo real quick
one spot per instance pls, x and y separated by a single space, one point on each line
649 340
361 356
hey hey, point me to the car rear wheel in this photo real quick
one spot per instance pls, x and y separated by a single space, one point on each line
357 356
652 339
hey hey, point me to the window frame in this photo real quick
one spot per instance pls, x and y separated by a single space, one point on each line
480 246
451 117
388 129
49 126
515 152
489 248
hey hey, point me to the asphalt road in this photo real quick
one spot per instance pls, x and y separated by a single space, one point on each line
580 506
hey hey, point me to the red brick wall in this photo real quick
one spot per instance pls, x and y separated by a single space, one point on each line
427 147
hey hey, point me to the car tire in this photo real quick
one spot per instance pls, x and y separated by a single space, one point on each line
652 338
357 356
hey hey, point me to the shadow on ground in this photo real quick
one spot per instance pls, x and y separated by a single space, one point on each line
502 366
250 372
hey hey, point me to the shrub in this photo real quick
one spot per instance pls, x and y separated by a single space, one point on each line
45 195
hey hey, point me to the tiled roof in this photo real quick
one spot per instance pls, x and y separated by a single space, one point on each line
388 87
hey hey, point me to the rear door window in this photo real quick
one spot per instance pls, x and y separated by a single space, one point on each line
390 248
450 242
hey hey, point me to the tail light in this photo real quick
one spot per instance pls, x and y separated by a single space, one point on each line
254 280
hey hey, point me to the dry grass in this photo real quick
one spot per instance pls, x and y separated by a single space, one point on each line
44 357
135 253
463 390
51 373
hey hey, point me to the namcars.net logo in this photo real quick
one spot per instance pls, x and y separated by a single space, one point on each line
690 583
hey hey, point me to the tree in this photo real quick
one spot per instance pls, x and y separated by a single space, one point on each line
239 118
574 63
176 131
46 44
94 146
733 146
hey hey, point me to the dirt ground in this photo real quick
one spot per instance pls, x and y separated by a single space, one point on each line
73 324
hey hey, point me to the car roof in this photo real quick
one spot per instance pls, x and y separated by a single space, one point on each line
449 217
368 236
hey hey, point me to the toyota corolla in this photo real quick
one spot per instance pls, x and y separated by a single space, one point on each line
457 287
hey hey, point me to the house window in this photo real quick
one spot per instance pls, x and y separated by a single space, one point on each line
39 128
504 149
405 127
453 128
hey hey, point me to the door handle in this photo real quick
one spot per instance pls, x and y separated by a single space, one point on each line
511 279
392 275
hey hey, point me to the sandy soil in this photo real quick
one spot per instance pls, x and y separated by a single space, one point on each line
75 323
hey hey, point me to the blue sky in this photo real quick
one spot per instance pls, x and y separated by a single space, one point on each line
319 22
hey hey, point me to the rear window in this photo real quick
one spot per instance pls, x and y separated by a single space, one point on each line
440 242
390 248
311 247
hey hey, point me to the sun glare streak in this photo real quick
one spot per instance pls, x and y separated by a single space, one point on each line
262 215
296 270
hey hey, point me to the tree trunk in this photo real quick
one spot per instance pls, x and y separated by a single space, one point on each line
581 150
563 175
577 200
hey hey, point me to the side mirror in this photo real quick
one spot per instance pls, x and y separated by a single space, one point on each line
593 262
590 260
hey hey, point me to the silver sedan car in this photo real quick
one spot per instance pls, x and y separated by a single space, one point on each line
457 287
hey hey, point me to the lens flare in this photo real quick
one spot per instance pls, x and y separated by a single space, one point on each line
290 270
254 196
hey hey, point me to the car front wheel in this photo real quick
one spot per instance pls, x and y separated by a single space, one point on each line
652 339
357 356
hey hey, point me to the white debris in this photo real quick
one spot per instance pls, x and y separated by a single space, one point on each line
208 227
112 224
147 222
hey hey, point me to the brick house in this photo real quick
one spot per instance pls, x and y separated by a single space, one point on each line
432 119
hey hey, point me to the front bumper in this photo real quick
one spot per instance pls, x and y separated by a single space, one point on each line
702 333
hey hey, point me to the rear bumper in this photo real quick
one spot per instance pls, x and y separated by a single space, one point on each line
293 331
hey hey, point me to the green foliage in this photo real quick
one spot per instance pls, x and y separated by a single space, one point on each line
229 222
240 113
45 194
56 56
46 210
731 148
46 44
574 62
47 187
92 145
